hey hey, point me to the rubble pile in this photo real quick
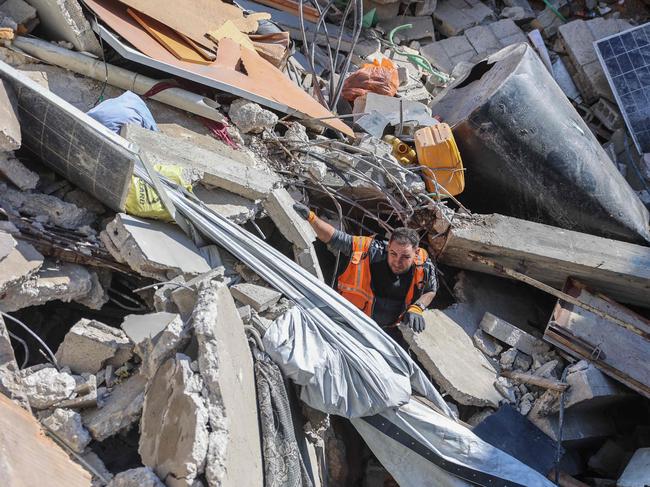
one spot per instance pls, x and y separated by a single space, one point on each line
151 249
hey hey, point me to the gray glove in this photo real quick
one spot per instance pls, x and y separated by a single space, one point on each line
413 319
302 210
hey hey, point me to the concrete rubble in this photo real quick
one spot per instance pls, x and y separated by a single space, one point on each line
131 338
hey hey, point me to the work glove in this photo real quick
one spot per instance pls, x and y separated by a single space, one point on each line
304 212
413 318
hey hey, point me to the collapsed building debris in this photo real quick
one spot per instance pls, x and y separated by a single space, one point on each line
169 316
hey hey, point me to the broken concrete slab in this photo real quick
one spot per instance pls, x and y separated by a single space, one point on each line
550 254
63 20
153 248
578 38
47 386
22 441
226 366
67 426
212 168
486 344
90 346
79 148
21 12
637 471
229 205
121 409
259 297
174 427
448 354
453 17
56 211
18 262
10 378
16 173
389 108
136 477
279 206
157 337
63 281
9 125
610 459
512 335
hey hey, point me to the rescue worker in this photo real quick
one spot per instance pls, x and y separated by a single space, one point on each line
388 280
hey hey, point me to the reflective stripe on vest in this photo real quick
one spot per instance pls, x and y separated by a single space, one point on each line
354 283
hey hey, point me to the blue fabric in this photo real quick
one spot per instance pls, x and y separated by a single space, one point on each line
126 108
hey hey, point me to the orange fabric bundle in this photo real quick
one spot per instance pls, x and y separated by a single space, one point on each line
380 78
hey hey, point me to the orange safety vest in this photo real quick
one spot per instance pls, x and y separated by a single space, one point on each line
354 284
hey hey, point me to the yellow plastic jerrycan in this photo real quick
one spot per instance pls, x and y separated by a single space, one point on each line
437 150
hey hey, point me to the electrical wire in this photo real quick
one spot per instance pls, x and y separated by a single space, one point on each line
36 337
25 348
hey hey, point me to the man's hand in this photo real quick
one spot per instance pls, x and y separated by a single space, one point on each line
413 318
304 211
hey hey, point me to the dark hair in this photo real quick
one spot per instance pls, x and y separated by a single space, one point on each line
403 235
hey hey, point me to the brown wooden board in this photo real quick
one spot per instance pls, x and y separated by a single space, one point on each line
619 352
168 38
28 458
262 79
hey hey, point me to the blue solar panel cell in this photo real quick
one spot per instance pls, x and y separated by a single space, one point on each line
625 57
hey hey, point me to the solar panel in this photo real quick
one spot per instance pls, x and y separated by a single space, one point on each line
625 57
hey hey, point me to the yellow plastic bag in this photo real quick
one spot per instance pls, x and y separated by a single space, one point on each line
143 200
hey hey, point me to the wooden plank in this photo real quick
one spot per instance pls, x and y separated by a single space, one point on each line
256 80
309 12
230 31
194 18
550 255
170 40
28 457
617 351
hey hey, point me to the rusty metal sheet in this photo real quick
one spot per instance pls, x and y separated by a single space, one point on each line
623 353
261 82
28 457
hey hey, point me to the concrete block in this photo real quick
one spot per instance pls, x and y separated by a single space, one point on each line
10 138
67 426
226 366
15 172
157 337
153 248
383 11
259 297
249 117
453 17
18 262
637 471
279 206
122 408
483 39
578 38
529 13
590 389
513 336
136 477
63 20
21 12
445 54
47 386
91 345
422 28
448 354
56 281
10 378
486 344
174 426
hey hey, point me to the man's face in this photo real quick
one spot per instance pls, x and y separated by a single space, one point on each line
400 257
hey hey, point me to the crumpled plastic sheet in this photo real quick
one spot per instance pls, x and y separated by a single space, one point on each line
347 365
